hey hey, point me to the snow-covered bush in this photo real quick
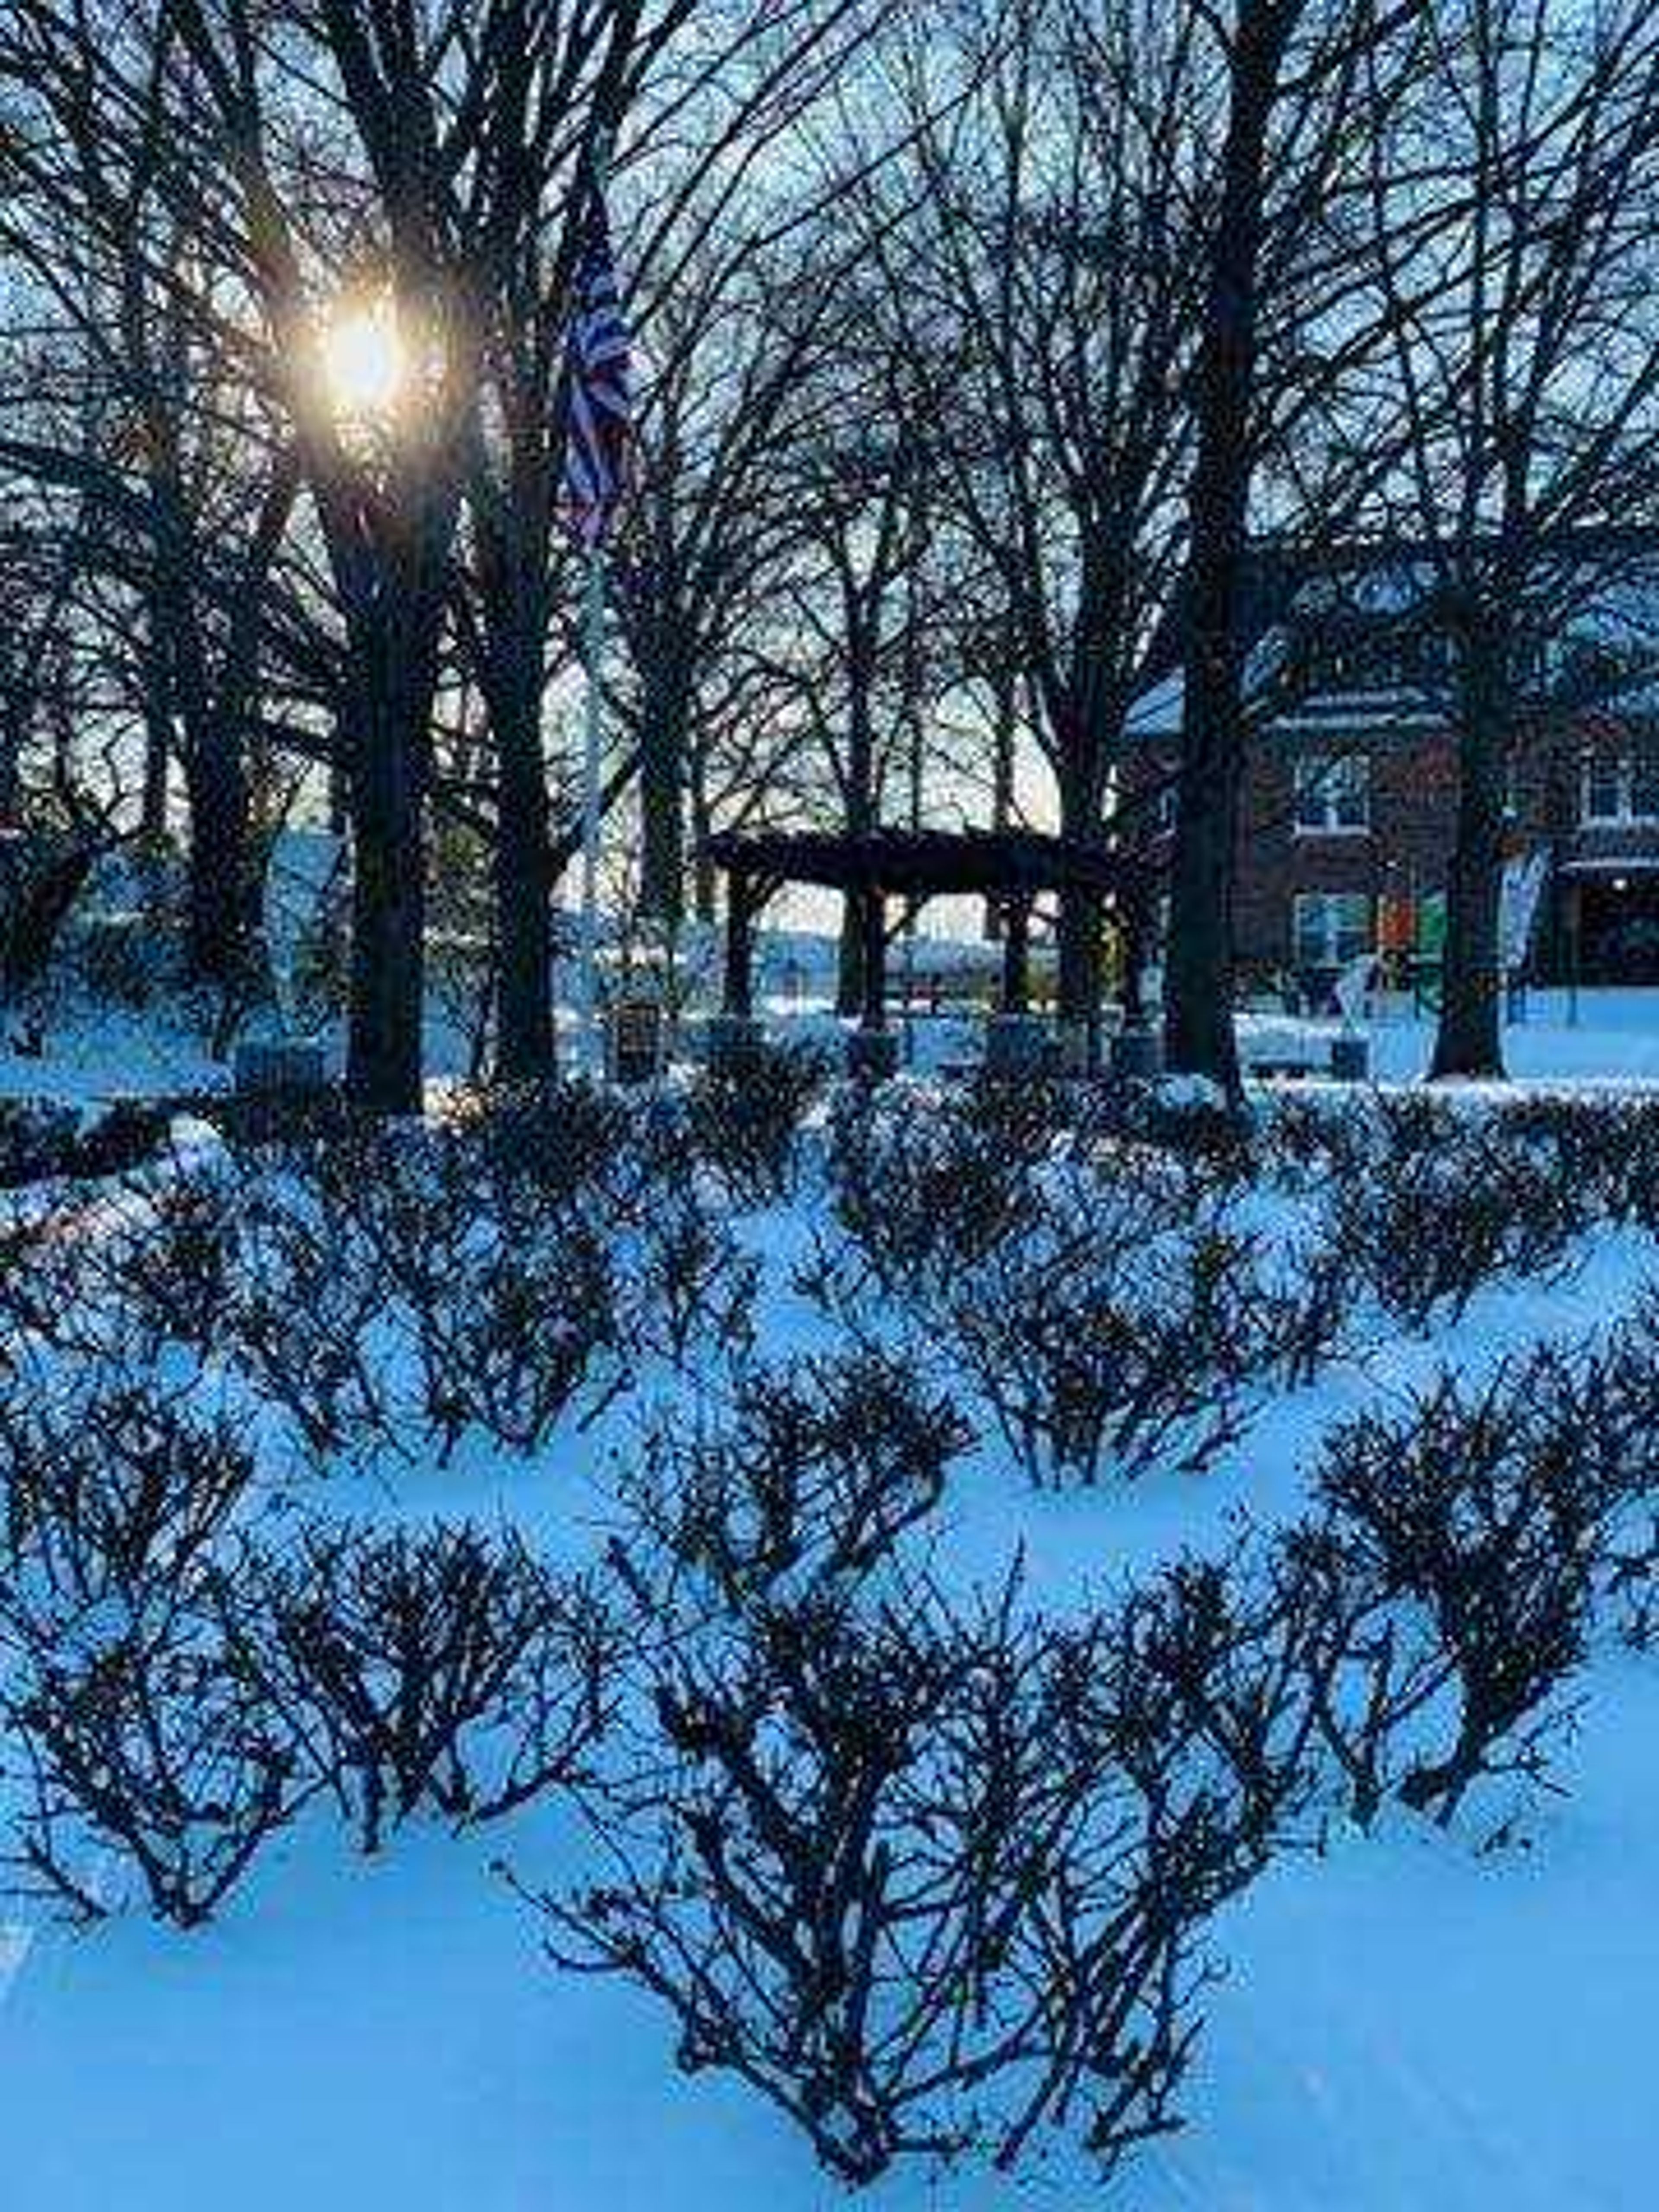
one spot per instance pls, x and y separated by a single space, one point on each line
563 1139
885 1865
444 1670
1089 1363
923 1188
1190 1121
39 1140
36 1140
503 1307
1309 1300
1632 1587
165 1276
1464 1537
1427 1227
41 1277
1302 1142
131 1738
108 1492
1224 1660
1604 1150
380 1294
685 1281
126 1733
391 1290
815 1468
301 1326
748 1125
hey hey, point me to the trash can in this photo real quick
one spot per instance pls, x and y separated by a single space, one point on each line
635 1041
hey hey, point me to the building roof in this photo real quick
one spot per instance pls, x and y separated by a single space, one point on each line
1602 650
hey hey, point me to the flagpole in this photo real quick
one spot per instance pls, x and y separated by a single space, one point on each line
590 1054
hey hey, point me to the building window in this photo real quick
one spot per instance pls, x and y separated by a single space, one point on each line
1332 928
1619 789
1332 793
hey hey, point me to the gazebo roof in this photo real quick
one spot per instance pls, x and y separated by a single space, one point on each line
920 862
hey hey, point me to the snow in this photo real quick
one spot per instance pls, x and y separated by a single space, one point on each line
1408 2025
1405 2025
1601 1039
112 1055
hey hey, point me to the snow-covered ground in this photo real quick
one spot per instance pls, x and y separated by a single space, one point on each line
1599 1038
1594 1036
1406 2026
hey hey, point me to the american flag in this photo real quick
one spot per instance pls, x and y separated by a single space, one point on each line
599 390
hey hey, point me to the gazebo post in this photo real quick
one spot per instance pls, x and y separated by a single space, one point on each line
1016 953
734 1034
872 927
872 1049
739 1004
1015 1040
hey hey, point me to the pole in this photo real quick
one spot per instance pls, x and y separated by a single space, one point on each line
589 1055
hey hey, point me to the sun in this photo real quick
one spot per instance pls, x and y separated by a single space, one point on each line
364 360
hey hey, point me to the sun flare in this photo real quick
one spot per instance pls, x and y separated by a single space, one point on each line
364 360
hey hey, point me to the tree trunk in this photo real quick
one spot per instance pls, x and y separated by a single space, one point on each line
514 679
158 700
1079 957
860 820
38 891
1079 936
1198 1033
705 877
1470 1040
849 961
1005 706
1135 947
512 565
11 752
223 891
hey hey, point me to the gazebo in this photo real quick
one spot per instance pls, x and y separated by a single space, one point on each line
1014 867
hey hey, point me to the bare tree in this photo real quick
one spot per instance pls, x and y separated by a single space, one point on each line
1523 378
1280 323
1049 269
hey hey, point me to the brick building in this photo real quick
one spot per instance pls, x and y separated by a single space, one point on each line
1348 811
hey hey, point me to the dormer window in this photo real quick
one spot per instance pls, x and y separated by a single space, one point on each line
1332 794
1619 789
1357 659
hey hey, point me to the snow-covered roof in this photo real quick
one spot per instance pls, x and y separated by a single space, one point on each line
1611 640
